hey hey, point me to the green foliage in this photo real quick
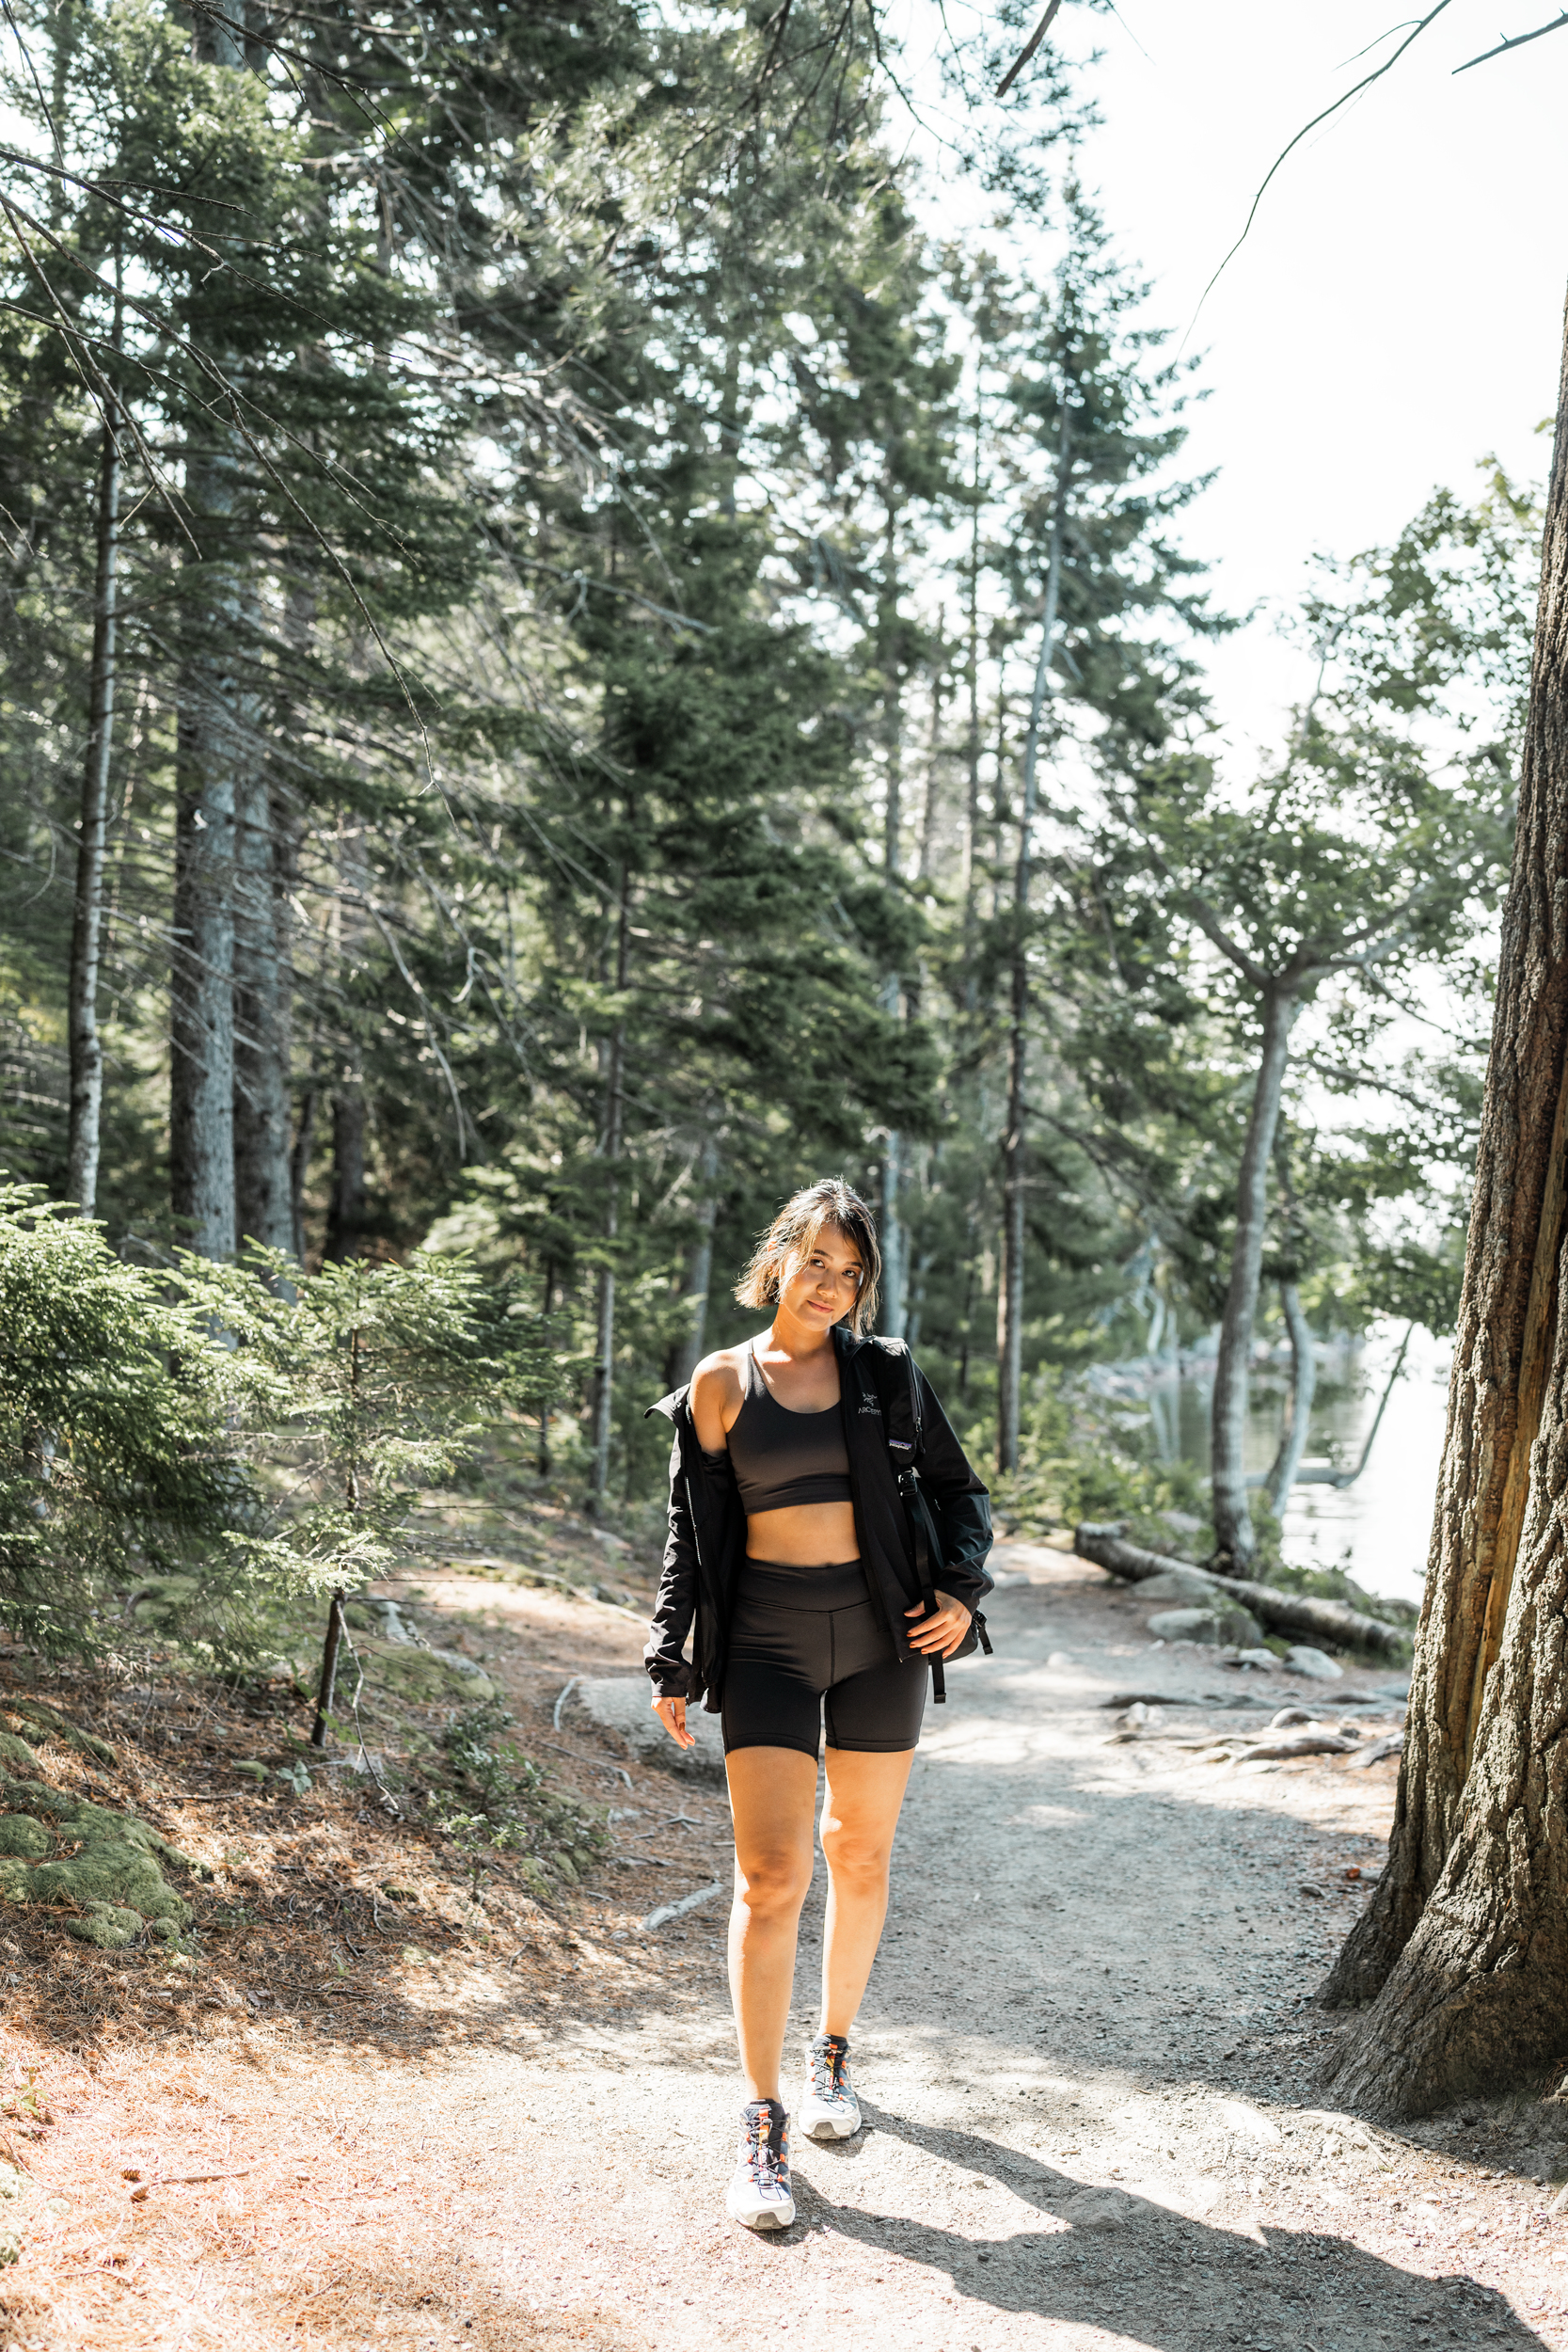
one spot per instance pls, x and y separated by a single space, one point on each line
514 1807
353 1389
115 1460
1084 1455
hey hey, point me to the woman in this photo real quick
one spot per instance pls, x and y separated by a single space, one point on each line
791 1562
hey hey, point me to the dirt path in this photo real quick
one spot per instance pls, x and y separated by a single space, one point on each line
1085 2065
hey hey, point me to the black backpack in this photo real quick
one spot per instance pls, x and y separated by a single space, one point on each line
903 1427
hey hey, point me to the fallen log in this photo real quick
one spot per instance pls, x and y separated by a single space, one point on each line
1104 1543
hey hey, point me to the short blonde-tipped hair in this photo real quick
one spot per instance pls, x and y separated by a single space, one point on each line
794 1234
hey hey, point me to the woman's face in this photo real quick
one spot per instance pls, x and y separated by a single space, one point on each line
822 1285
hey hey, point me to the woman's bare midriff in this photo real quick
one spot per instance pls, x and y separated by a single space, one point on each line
808 1535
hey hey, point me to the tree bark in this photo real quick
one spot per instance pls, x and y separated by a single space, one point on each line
263 1189
87 1046
212 746
1303 1380
1015 1178
604 1305
1235 1541
201 1073
1290 1613
698 1265
299 1166
345 1207
1463 1949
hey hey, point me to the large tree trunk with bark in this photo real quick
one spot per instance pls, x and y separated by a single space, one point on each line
87 1045
604 1303
1015 1152
1464 1944
1235 1541
263 1191
211 751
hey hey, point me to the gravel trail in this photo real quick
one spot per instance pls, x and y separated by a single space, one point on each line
1084 2061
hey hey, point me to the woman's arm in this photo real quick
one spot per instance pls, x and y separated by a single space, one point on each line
713 1384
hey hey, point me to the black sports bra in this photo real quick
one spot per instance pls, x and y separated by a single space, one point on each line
783 1458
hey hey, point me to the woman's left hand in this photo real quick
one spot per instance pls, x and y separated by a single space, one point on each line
939 1636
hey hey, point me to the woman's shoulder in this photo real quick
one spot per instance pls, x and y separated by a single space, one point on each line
719 1376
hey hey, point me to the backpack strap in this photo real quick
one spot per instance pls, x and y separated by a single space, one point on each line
904 1432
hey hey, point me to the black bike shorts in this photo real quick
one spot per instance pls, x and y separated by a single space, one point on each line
809 1643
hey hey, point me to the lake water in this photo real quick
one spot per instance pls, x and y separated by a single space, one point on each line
1379 1528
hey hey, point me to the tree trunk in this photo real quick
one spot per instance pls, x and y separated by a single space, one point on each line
1303 1380
604 1306
263 1189
1288 1613
202 1072
87 1046
347 1207
1236 1543
1009 1296
891 1316
212 747
1464 1944
299 1167
698 1265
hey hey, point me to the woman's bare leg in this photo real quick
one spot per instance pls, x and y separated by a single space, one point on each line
859 1818
773 1796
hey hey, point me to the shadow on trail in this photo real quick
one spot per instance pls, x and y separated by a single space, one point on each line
1217 2286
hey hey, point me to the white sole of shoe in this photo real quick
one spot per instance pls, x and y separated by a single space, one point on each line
829 2127
760 2217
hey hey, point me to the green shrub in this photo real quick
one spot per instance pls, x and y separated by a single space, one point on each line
115 1460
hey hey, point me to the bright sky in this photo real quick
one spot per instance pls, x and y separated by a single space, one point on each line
1396 311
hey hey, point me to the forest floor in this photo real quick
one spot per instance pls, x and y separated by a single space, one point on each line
363 2115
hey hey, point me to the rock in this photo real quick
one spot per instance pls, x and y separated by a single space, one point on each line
1398 1689
1302 1658
1187 1585
367 1614
426 1678
1247 2121
1212 1626
1289 1715
1259 1657
618 1703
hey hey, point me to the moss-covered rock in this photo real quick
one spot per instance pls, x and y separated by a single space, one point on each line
58 1726
109 1925
111 1870
15 1755
423 1678
21 1836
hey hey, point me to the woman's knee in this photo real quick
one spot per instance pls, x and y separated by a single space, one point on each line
856 1856
772 1883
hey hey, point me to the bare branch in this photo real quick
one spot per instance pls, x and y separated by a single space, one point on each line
1517 42
1028 49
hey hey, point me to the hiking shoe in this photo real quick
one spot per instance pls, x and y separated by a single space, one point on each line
829 2108
759 2193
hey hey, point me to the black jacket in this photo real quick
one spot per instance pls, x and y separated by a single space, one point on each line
708 1530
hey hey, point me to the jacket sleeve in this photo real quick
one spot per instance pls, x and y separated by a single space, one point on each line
676 1604
960 1504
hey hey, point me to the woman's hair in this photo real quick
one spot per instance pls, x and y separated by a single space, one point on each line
794 1234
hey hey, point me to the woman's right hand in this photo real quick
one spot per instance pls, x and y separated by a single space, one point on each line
672 1714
